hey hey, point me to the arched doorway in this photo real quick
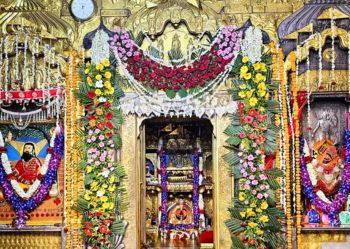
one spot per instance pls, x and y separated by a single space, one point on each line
177 204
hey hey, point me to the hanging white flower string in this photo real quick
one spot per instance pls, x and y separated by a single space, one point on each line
6 66
319 61
25 71
35 51
16 58
45 74
290 120
282 148
308 90
333 48
297 65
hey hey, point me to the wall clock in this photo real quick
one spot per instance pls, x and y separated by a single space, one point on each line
83 10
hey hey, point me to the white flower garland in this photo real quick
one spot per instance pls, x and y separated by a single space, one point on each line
158 100
319 60
290 119
283 199
8 169
16 59
6 66
308 91
333 48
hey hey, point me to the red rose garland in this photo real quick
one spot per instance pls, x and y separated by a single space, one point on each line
162 77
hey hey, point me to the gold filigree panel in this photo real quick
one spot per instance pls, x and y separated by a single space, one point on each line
340 84
36 240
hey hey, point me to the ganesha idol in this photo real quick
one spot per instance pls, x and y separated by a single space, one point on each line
327 166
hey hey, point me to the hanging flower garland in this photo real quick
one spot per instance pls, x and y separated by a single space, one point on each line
164 161
24 202
331 209
157 76
101 201
254 222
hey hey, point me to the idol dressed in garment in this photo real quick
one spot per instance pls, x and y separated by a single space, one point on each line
27 169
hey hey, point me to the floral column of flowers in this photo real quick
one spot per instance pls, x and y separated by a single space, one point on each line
101 201
254 219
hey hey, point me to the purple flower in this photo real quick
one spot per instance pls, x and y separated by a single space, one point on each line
259 196
101 137
101 145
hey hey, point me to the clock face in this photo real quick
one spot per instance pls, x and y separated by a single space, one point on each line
83 10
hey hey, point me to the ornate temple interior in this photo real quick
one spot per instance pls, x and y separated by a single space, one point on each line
162 124
181 150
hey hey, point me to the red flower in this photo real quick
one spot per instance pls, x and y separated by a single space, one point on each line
137 58
107 104
100 126
87 224
98 214
91 94
90 108
107 222
109 134
103 229
109 116
92 117
88 231
109 125
153 75
241 105
252 112
251 242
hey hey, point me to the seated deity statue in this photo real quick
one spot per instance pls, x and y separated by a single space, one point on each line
328 166
180 213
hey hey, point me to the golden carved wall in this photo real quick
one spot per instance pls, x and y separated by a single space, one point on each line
266 14
26 240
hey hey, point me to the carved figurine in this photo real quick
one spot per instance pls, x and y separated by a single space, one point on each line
326 123
176 44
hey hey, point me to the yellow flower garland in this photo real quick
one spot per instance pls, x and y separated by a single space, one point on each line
297 145
287 146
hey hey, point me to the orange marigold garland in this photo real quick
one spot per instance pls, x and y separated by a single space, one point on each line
287 150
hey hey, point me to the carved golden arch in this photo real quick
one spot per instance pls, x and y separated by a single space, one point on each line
315 44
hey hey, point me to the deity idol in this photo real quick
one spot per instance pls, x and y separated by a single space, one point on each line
325 123
27 169
327 165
